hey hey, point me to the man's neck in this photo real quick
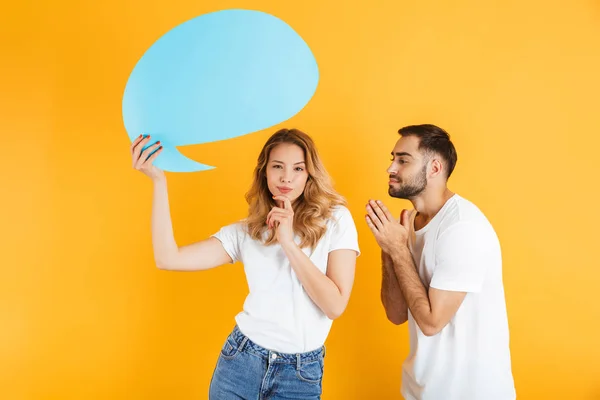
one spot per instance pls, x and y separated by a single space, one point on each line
428 204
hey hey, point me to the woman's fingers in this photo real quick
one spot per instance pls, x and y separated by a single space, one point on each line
135 143
144 156
137 149
276 215
151 159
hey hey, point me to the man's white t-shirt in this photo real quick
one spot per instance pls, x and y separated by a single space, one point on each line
278 314
469 359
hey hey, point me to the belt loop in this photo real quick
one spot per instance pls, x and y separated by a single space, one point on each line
243 343
298 362
324 351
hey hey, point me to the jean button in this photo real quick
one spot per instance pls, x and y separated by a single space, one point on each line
273 356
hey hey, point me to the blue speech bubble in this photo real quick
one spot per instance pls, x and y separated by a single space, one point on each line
217 76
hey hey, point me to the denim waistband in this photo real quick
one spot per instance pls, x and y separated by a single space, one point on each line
274 356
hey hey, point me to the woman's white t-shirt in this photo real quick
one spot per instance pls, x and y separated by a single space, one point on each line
278 314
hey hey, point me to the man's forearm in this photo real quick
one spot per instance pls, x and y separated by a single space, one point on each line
412 288
391 294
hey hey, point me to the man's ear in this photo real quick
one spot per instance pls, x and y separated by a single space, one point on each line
435 167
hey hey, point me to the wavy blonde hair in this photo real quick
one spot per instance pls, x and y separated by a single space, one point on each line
312 208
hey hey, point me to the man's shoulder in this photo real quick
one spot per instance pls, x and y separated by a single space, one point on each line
464 210
463 216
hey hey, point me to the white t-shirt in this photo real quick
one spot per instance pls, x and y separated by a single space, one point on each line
458 250
278 314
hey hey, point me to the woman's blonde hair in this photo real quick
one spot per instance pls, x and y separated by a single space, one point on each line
312 208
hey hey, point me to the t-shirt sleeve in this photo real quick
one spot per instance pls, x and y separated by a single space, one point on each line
230 237
344 234
463 254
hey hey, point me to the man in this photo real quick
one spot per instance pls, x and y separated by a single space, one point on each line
442 272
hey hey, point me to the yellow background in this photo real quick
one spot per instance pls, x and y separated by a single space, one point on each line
84 314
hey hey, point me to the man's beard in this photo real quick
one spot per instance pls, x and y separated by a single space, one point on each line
411 189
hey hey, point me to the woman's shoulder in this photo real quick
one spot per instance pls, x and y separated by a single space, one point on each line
340 212
339 209
238 227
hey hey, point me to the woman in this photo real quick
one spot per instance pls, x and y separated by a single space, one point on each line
299 248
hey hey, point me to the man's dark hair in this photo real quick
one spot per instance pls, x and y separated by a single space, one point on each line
433 140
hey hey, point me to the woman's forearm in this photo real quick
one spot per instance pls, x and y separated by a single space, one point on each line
163 239
322 290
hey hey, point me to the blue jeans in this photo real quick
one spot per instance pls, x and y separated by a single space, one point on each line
248 371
